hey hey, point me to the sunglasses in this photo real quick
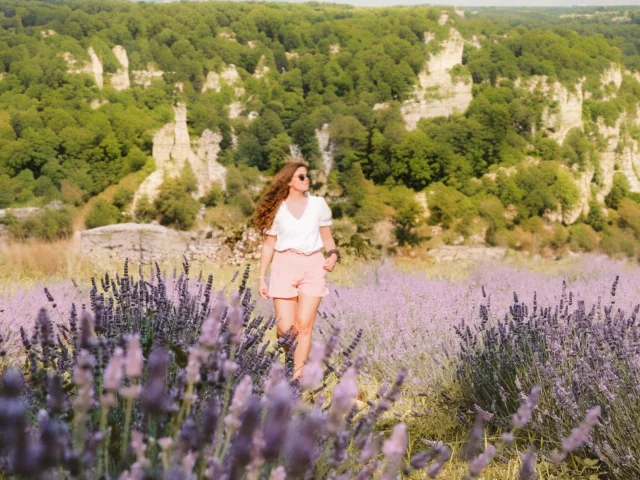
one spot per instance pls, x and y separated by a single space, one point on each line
302 176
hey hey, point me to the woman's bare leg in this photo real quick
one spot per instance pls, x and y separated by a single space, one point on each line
304 320
285 313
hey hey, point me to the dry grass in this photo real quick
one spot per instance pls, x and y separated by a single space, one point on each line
23 263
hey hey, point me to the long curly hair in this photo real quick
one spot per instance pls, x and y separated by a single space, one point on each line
273 196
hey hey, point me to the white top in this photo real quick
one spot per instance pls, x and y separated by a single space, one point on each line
301 234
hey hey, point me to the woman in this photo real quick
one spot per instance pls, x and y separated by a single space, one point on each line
296 228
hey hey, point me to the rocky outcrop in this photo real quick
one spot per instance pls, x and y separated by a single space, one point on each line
327 147
172 147
474 254
295 153
229 76
583 182
444 18
334 49
143 78
95 103
621 152
96 68
566 111
47 33
120 79
155 243
261 69
291 55
437 94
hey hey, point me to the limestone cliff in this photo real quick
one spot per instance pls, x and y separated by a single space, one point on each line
143 78
172 147
120 79
565 112
326 146
437 93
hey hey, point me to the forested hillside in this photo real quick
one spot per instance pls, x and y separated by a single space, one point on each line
511 127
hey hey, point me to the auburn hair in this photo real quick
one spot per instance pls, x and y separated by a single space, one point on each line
273 196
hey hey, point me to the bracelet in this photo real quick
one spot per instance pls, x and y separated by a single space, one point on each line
260 278
336 251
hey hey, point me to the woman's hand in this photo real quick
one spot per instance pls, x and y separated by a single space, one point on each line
263 290
330 262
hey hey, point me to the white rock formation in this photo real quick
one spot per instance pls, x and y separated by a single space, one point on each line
95 103
436 94
229 76
622 152
47 33
291 55
96 68
381 106
295 154
334 49
583 182
251 44
429 37
327 147
261 69
120 79
235 108
567 114
228 35
143 78
421 198
459 12
612 75
172 148
148 243
444 18
474 42
1 76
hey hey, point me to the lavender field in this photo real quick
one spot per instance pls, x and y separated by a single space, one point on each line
486 371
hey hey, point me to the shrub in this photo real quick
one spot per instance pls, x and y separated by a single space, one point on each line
48 225
582 354
595 218
583 237
100 214
122 197
175 205
214 195
145 211
616 241
619 190
629 212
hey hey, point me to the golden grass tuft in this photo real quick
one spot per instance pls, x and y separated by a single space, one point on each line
25 262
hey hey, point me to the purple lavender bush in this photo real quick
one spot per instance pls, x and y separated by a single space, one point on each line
581 354
138 384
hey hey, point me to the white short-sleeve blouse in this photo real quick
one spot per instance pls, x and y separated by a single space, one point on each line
301 234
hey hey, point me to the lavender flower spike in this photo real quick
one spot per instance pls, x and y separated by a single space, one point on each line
479 463
579 435
313 371
525 412
394 449
135 360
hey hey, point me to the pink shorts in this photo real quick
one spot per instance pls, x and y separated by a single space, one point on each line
293 273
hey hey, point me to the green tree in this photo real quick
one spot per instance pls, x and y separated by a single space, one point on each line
619 190
101 214
175 205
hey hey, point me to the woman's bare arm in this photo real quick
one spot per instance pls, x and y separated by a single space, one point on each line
268 247
327 238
